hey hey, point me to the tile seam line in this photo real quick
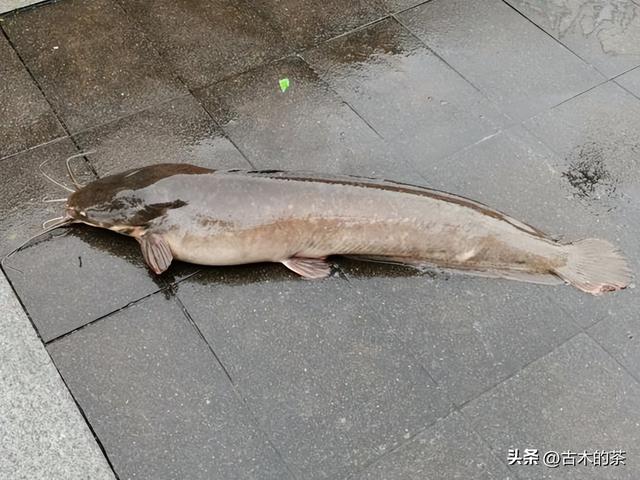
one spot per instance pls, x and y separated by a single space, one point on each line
57 115
458 409
236 388
102 317
28 149
222 128
523 367
400 446
166 66
634 376
293 52
338 96
414 355
539 115
169 67
113 121
197 330
405 9
626 89
485 440
163 289
408 441
44 346
33 6
506 2
86 420
445 62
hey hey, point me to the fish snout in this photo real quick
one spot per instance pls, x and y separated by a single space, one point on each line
74 213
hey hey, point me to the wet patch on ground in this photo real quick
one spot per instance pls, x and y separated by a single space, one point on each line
588 173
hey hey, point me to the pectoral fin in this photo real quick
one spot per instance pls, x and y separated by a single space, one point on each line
308 267
156 252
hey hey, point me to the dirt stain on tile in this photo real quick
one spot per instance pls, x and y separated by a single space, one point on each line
588 172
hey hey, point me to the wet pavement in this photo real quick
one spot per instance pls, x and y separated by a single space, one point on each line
376 372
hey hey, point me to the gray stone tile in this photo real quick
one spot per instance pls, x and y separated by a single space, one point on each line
595 136
448 450
470 333
68 281
410 96
399 5
206 41
605 33
577 398
92 63
486 45
23 188
620 336
43 433
516 173
331 387
305 128
631 81
27 118
307 22
8 5
175 132
159 401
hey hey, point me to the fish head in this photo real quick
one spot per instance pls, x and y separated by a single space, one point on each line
102 206
127 202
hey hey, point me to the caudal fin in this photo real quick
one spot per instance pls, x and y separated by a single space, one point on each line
595 266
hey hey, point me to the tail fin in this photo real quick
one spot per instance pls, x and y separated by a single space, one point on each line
595 266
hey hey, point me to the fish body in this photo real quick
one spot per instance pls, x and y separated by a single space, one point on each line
231 217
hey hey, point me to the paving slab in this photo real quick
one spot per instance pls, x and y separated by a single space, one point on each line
576 398
8 5
68 281
307 127
27 118
448 450
517 173
325 380
595 136
43 433
159 401
469 333
472 333
399 5
604 33
620 337
207 41
179 131
408 94
486 46
631 81
23 189
304 23
91 61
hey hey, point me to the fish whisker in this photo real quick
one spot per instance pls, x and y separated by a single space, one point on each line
45 175
77 184
71 175
53 200
57 219
62 222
